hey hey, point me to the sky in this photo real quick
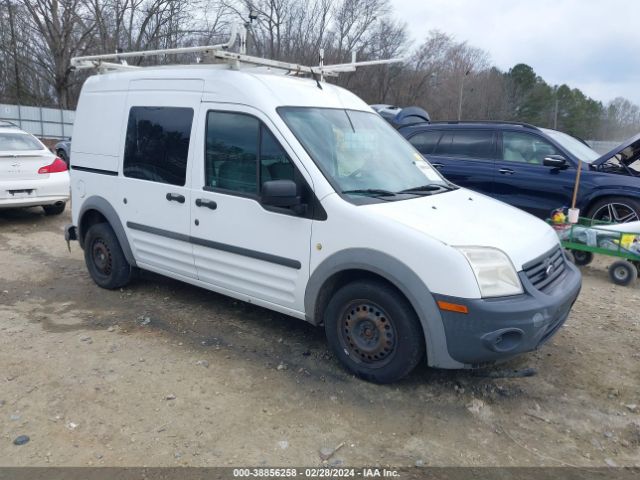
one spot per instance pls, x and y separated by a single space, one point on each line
593 45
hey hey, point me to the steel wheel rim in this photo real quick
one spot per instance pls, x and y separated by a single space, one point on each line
621 273
616 212
101 256
367 333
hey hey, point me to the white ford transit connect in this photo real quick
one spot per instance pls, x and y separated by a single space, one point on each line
294 195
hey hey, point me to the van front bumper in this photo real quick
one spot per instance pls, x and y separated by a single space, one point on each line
499 328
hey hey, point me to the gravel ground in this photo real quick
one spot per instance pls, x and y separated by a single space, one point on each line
164 374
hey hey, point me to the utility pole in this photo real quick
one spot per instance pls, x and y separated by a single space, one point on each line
461 94
555 108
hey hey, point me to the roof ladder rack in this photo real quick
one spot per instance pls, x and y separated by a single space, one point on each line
108 62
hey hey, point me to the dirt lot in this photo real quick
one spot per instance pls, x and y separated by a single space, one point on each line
162 373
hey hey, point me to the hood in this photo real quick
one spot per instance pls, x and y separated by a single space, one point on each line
465 218
629 149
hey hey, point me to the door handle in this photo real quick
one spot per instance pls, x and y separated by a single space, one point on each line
506 171
210 204
175 197
437 165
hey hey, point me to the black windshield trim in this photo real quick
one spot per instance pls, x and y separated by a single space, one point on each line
430 188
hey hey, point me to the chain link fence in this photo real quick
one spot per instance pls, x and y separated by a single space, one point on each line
45 123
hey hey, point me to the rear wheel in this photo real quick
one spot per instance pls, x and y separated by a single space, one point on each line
56 209
105 260
374 331
615 210
623 273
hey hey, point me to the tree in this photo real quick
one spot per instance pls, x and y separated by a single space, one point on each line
60 30
621 119
445 76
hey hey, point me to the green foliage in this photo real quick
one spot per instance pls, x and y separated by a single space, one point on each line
534 101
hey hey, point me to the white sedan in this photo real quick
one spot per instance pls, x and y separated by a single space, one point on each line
30 175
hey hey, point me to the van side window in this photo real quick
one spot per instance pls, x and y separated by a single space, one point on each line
231 152
425 142
157 144
467 143
234 143
274 162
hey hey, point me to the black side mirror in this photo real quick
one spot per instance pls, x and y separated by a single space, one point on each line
555 161
280 193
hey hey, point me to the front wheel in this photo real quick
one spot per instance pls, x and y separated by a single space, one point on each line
105 260
374 331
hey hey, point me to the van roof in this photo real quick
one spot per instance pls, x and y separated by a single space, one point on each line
257 87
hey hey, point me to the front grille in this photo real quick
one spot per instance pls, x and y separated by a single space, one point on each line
541 275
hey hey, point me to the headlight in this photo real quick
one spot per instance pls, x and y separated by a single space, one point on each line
494 272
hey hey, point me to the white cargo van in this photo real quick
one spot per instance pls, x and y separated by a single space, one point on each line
294 195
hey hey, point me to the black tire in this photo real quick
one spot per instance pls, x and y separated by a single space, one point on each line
103 255
615 209
374 331
63 156
623 273
54 209
582 258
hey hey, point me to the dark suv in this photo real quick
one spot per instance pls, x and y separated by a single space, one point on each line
533 168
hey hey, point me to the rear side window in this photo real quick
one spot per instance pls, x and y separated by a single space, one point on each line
241 154
157 144
425 142
467 143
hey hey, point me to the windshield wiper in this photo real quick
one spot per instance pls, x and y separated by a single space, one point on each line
371 191
427 189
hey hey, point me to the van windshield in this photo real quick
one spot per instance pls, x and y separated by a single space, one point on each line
362 155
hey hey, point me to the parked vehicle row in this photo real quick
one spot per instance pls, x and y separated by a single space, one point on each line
533 168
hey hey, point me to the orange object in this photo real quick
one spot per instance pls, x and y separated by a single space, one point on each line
453 307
